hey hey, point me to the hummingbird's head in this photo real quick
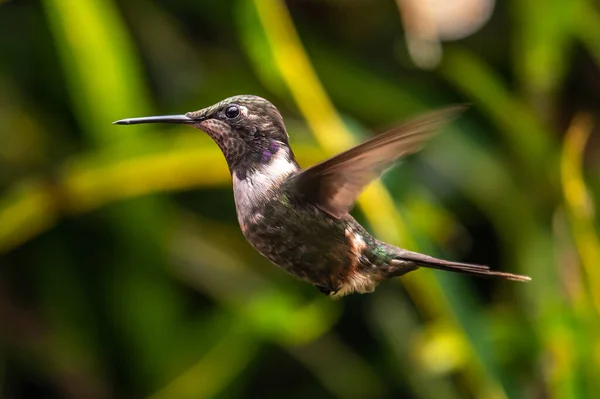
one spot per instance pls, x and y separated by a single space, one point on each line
248 129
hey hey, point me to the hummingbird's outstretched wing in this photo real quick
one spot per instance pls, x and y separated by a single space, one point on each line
334 184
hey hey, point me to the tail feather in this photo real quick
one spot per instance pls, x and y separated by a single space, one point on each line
457 267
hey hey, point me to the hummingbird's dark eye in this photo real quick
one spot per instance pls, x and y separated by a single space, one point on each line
232 111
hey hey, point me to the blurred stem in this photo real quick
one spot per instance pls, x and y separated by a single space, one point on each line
542 37
376 203
396 324
579 204
100 66
96 180
339 369
529 140
587 28
217 369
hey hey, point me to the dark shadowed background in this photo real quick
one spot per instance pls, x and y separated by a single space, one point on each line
123 273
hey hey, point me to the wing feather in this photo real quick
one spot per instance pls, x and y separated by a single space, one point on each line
334 184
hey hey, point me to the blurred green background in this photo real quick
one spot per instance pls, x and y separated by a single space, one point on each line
123 273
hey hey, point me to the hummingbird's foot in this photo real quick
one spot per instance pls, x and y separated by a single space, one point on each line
323 289
327 290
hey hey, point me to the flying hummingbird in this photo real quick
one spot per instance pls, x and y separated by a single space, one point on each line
299 219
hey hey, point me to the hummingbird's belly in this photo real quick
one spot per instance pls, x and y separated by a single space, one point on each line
304 241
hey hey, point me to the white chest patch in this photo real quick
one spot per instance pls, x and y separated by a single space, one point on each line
258 185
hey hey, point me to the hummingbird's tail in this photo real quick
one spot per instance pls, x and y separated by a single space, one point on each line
404 256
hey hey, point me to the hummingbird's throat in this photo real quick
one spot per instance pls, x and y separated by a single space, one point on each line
253 187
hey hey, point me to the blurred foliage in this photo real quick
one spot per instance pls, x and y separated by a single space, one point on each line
123 272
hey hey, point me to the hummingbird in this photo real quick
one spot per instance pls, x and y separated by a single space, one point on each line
300 219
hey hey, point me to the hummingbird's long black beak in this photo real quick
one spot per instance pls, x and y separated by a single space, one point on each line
157 119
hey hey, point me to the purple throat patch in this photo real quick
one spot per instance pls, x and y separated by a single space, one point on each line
270 151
